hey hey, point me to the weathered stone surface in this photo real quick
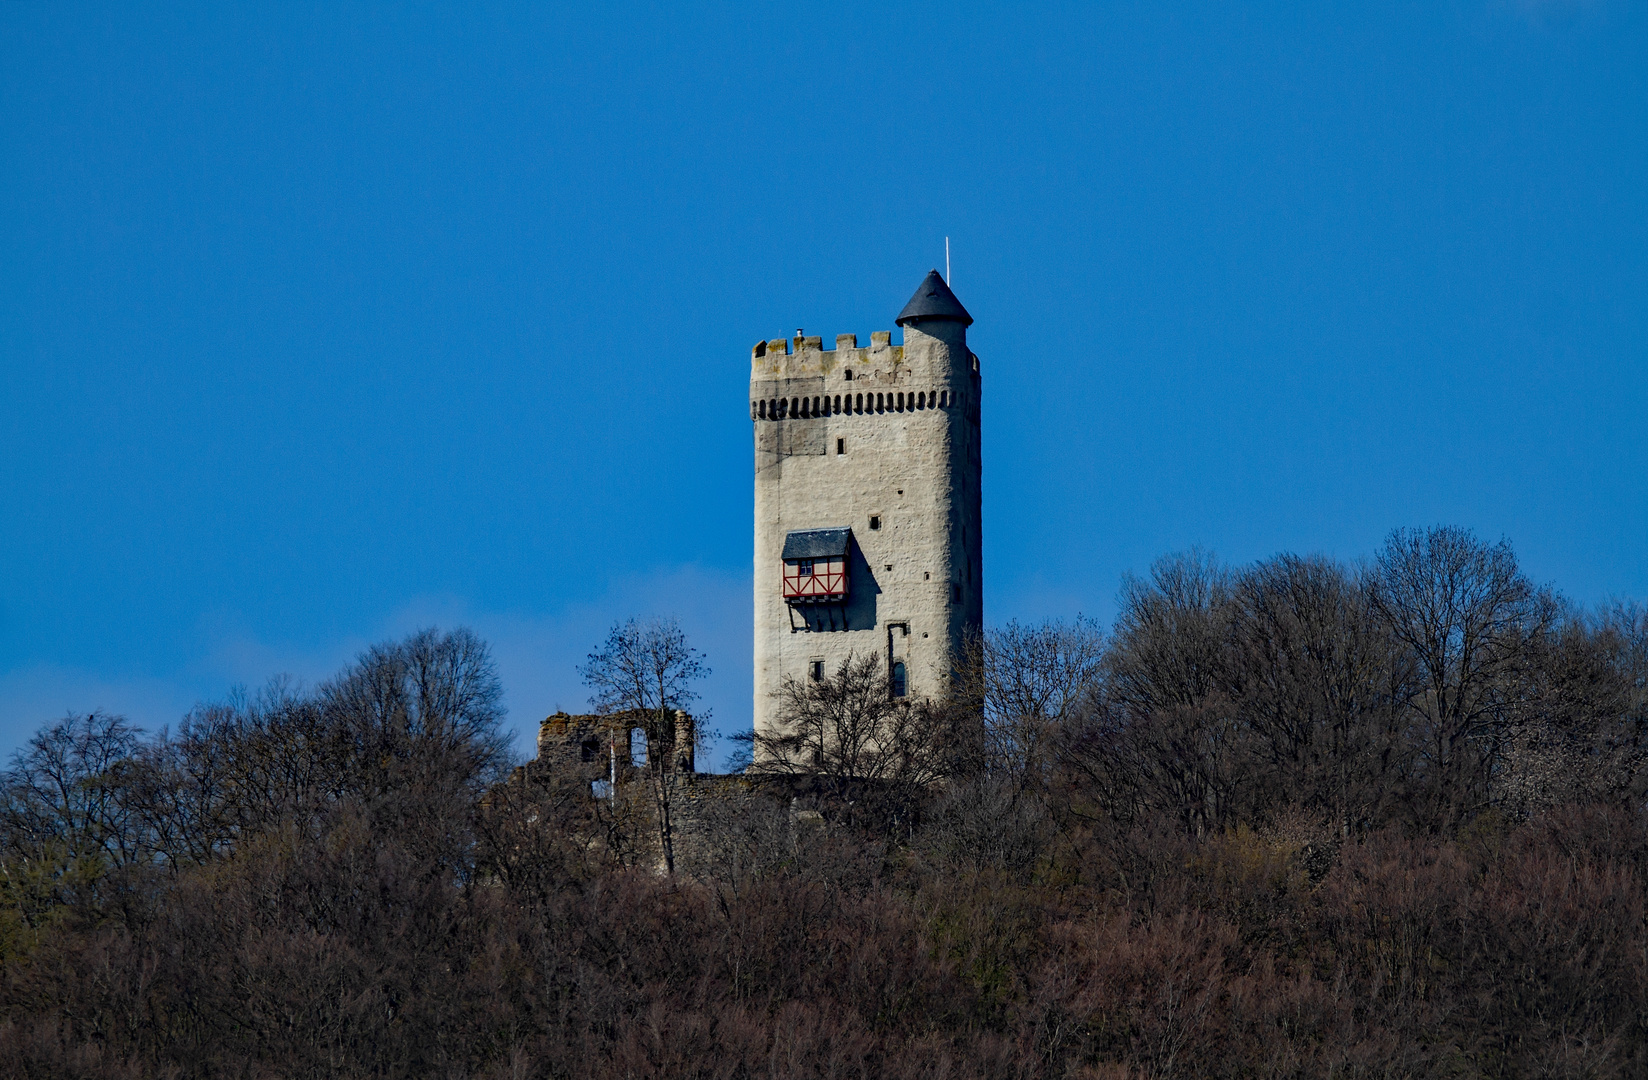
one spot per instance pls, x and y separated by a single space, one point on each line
719 823
911 462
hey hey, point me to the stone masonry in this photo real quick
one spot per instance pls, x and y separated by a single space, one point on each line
712 815
883 441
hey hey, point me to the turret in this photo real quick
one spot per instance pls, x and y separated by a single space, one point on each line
934 312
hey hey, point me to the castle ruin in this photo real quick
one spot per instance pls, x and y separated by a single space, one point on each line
867 542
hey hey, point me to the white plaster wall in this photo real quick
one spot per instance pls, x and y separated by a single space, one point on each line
917 470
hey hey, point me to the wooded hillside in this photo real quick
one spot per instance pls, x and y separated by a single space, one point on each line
1296 819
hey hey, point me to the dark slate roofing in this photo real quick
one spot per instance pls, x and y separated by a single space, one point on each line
934 300
816 543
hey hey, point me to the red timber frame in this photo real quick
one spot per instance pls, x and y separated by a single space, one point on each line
815 581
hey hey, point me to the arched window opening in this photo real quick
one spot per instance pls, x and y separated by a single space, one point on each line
860 406
900 682
849 374
921 401
838 403
879 407
795 406
815 408
901 401
763 410
943 398
638 746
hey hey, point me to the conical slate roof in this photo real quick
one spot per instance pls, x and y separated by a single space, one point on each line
934 300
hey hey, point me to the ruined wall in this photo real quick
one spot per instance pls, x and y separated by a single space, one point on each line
721 823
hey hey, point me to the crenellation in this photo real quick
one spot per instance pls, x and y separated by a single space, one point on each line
870 440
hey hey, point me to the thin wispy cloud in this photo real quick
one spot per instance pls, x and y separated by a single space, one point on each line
537 657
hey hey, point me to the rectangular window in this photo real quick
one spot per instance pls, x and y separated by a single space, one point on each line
816 670
875 521
841 446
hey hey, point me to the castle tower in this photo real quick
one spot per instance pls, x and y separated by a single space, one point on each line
867 501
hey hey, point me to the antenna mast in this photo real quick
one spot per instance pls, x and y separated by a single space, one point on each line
946 260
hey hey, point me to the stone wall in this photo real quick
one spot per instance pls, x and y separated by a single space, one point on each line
721 822
884 440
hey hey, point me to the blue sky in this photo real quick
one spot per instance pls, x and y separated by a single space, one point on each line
321 323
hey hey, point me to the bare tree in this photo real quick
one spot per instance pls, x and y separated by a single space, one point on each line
64 824
1172 634
1467 619
647 669
1166 734
1582 732
1029 681
431 698
1312 670
850 732
409 733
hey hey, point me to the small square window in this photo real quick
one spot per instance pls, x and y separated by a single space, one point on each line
875 521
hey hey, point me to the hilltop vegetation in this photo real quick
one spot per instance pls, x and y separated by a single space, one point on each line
1295 819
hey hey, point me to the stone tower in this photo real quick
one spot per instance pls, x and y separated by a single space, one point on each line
867 501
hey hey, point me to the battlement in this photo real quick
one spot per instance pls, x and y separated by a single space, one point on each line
767 350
